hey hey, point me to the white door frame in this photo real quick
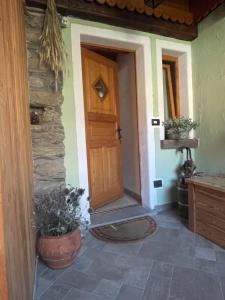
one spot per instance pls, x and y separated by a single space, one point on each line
142 48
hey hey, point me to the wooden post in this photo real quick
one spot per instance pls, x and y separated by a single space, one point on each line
17 252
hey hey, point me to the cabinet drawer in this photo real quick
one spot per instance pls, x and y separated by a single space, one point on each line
211 202
206 218
211 232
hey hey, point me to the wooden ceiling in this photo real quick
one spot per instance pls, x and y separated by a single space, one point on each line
172 18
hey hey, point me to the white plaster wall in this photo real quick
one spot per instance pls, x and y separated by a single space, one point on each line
128 122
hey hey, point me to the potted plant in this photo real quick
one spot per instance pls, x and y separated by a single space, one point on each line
57 217
179 128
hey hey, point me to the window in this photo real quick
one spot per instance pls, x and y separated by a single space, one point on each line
171 87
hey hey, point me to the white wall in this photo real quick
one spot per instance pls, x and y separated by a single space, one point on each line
128 122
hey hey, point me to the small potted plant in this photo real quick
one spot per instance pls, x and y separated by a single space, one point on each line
57 217
179 128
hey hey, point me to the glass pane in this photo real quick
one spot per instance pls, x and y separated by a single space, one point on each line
101 88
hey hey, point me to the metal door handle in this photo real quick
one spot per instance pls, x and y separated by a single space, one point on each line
118 130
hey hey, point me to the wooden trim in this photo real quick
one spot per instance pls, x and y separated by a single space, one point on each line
133 195
170 90
111 15
175 60
176 144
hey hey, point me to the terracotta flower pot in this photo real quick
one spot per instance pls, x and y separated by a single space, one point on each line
59 252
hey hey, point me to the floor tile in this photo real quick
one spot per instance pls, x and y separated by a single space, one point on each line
56 292
162 269
130 293
128 261
195 285
42 286
220 263
130 248
107 271
205 253
107 288
76 294
76 279
157 288
137 277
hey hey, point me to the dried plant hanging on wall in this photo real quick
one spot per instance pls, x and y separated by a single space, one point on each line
52 47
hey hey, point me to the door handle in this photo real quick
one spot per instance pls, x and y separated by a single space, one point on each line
118 130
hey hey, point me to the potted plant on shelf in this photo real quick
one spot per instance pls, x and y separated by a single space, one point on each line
57 217
179 128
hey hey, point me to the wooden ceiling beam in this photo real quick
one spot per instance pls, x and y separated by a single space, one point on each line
202 8
122 18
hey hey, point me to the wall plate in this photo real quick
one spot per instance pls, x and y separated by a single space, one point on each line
155 122
158 183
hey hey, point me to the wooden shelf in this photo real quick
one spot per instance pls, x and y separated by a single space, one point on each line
176 144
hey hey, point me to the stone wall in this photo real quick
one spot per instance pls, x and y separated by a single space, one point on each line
48 136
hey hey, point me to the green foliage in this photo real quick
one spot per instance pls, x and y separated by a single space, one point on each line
58 212
180 125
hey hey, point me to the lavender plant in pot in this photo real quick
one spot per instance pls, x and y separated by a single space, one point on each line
57 217
179 128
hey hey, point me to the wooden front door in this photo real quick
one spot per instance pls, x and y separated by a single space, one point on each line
100 77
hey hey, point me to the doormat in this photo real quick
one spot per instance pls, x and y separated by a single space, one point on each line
126 231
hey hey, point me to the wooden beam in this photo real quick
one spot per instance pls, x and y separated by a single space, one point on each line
122 18
202 8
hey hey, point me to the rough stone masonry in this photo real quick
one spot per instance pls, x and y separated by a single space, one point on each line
48 136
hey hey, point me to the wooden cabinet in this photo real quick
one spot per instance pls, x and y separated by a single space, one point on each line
207 208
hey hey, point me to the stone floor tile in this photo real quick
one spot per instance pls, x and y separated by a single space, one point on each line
156 251
222 282
128 261
161 269
76 279
191 284
76 294
203 242
56 292
157 288
108 288
205 265
137 277
130 293
205 253
41 267
42 286
220 263
50 274
130 248
107 271
81 264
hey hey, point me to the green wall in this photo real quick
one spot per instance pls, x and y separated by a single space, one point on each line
208 53
166 160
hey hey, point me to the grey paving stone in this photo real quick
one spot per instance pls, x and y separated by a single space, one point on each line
157 288
137 277
130 293
56 292
103 256
222 282
42 286
161 269
107 288
41 267
191 284
203 242
107 271
158 251
76 294
165 235
205 253
76 279
205 265
128 261
220 263
82 264
130 248
50 274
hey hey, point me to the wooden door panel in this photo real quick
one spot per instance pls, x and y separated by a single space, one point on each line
94 71
102 122
102 132
113 178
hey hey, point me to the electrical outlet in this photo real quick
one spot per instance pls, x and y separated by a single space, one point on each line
158 184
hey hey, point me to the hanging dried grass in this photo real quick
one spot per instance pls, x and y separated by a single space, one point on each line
52 47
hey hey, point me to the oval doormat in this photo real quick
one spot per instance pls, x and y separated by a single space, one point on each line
125 231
